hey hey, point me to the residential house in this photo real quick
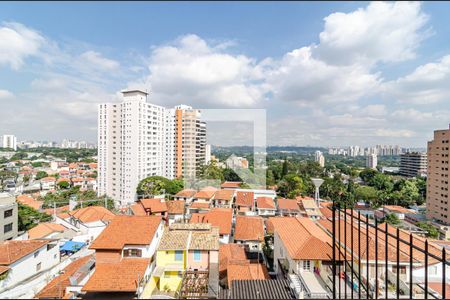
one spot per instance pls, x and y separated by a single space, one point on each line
48 183
20 260
265 206
230 185
199 207
124 256
246 271
148 207
309 206
46 230
250 232
206 194
89 221
288 207
8 217
176 211
218 217
224 198
244 202
396 210
185 249
70 281
303 252
30 201
186 195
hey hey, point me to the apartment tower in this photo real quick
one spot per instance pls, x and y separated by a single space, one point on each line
9 141
137 139
413 164
438 206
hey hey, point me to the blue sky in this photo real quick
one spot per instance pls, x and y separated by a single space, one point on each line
328 73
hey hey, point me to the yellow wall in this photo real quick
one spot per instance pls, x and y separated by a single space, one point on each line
170 279
164 258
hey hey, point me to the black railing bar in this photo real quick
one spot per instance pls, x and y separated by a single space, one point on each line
444 278
414 246
359 253
345 255
426 269
351 239
411 284
367 260
376 260
398 263
423 289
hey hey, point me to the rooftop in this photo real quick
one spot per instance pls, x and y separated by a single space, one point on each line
44 229
92 213
244 198
288 204
127 230
246 271
226 195
220 217
175 207
249 228
186 193
11 251
154 205
231 184
265 203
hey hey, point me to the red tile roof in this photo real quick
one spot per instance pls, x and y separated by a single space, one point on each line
11 251
226 195
92 214
246 271
302 238
288 204
229 253
3 269
175 207
265 203
29 201
206 193
231 184
117 277
48 179
249 228
219 217
186 193
154 205
44 229
56 288
127 230
201 205
244 199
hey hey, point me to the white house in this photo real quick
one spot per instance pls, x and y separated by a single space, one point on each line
265 206
20 260
48 183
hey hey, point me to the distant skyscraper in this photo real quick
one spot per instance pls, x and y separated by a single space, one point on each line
438 205
10 141
207 154
372 161
137 139
320 158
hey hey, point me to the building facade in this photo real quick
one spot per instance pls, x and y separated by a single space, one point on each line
438 177
372 161
413 164
8 217
9 141
319 158
137 139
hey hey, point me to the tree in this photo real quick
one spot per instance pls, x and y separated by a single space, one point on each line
40 175
212 171
367 175
153 185
284 169
174 186
230 175
63 185
381 182
432 232
392 219
29 217
366 193
291 186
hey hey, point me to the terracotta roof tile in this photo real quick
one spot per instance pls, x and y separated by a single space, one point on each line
3 269
48 179
265 203
175 207
56 287
226 195
127 230
246 271
229 253
231 184
186 193
117 277
137 209
92 214
154 205
244 199
11 251
206 193
249 228
201 205
288 205
44 229
29 201
220 217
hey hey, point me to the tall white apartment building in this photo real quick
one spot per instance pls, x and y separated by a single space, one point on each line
137 139
371 161
320 158
9 141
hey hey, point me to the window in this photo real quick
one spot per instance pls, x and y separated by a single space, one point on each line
402 269
132 253
8 213
306 265
38 267
7 227
36 254
178 255
197 255
50 246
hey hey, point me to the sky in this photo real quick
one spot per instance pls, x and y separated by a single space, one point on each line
327 74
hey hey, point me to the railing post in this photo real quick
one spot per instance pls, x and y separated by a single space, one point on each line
334 249
351 241
386 262
444 278
411 286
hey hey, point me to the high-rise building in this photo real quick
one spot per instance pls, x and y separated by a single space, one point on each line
438 205
137 139
371 161
320 158
207 154
10 141
413 164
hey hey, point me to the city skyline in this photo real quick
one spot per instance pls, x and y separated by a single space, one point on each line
321 84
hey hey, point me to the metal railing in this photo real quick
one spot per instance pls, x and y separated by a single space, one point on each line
371 249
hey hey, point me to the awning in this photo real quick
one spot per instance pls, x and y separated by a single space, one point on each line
72 246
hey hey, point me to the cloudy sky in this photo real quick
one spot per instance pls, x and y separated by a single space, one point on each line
328 74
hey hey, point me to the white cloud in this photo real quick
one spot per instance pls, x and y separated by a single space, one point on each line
18 42
191 69
428 83
384 132
96 60
383 31
5 94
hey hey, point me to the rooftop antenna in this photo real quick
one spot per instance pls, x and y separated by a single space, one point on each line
317 183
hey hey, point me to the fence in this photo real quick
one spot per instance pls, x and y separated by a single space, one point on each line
379 261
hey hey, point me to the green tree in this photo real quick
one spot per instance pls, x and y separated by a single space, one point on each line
367 175
40 175
284 169
366 193
63 185
392 219
29 217
230 175
291 186
212 171
153 185
432 232
174 186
